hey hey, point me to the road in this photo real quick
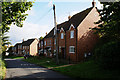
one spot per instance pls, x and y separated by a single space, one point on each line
18 69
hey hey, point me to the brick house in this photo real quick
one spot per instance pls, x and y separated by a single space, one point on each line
48 44
40 47
79 39
15 49
20 49
75 38
30 47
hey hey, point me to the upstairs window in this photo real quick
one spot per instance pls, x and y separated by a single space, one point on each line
50 42
55 41
45 42
62 35
41 43
71 34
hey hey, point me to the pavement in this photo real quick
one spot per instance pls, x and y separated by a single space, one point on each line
20 70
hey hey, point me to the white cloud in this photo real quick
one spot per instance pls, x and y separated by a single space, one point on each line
28 31
64 17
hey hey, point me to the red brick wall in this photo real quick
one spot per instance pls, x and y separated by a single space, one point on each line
86 39
61 41
70 42
48 43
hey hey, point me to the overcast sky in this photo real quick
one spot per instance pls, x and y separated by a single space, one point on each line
40 17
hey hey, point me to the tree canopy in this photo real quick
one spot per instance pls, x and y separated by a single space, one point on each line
107 50
12 12
110 20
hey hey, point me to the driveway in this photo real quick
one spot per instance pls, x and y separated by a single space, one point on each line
18 69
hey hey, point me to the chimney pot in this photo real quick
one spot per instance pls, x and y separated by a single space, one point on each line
69 17
93 3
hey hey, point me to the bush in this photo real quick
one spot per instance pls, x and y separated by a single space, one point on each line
108 55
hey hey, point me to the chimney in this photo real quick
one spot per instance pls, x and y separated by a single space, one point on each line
46 33
69 17
23 40
93 3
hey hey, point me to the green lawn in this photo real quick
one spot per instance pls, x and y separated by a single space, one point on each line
88 70
15 57
44 61
2 69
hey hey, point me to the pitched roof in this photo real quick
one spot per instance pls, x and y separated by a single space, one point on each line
75 20
50 34
28 42
17 44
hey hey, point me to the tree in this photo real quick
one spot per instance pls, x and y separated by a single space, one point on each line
107 52
109 21
12 12
41 38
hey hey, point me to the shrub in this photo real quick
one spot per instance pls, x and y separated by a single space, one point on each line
108 55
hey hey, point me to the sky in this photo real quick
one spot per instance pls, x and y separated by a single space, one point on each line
40 18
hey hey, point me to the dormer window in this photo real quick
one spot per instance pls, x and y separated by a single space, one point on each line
62 36
72 34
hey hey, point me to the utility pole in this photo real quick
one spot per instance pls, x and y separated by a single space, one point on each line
57 60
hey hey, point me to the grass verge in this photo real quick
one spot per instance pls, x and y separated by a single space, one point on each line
2 69
15 57
44 61
88 70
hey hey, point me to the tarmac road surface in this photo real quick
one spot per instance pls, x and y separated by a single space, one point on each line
18 69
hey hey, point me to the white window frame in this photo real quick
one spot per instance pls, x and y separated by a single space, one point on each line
41 43
72 34
62 35
70 49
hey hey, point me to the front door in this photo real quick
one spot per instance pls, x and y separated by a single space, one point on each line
63 52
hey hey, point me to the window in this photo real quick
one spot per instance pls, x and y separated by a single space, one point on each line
41 43
44 51
71 34
50 42
55 41
59 49
72 49
62 35
45 42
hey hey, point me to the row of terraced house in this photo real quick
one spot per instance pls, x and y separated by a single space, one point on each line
75 38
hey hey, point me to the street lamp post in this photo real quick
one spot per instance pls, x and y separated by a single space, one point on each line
57 60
